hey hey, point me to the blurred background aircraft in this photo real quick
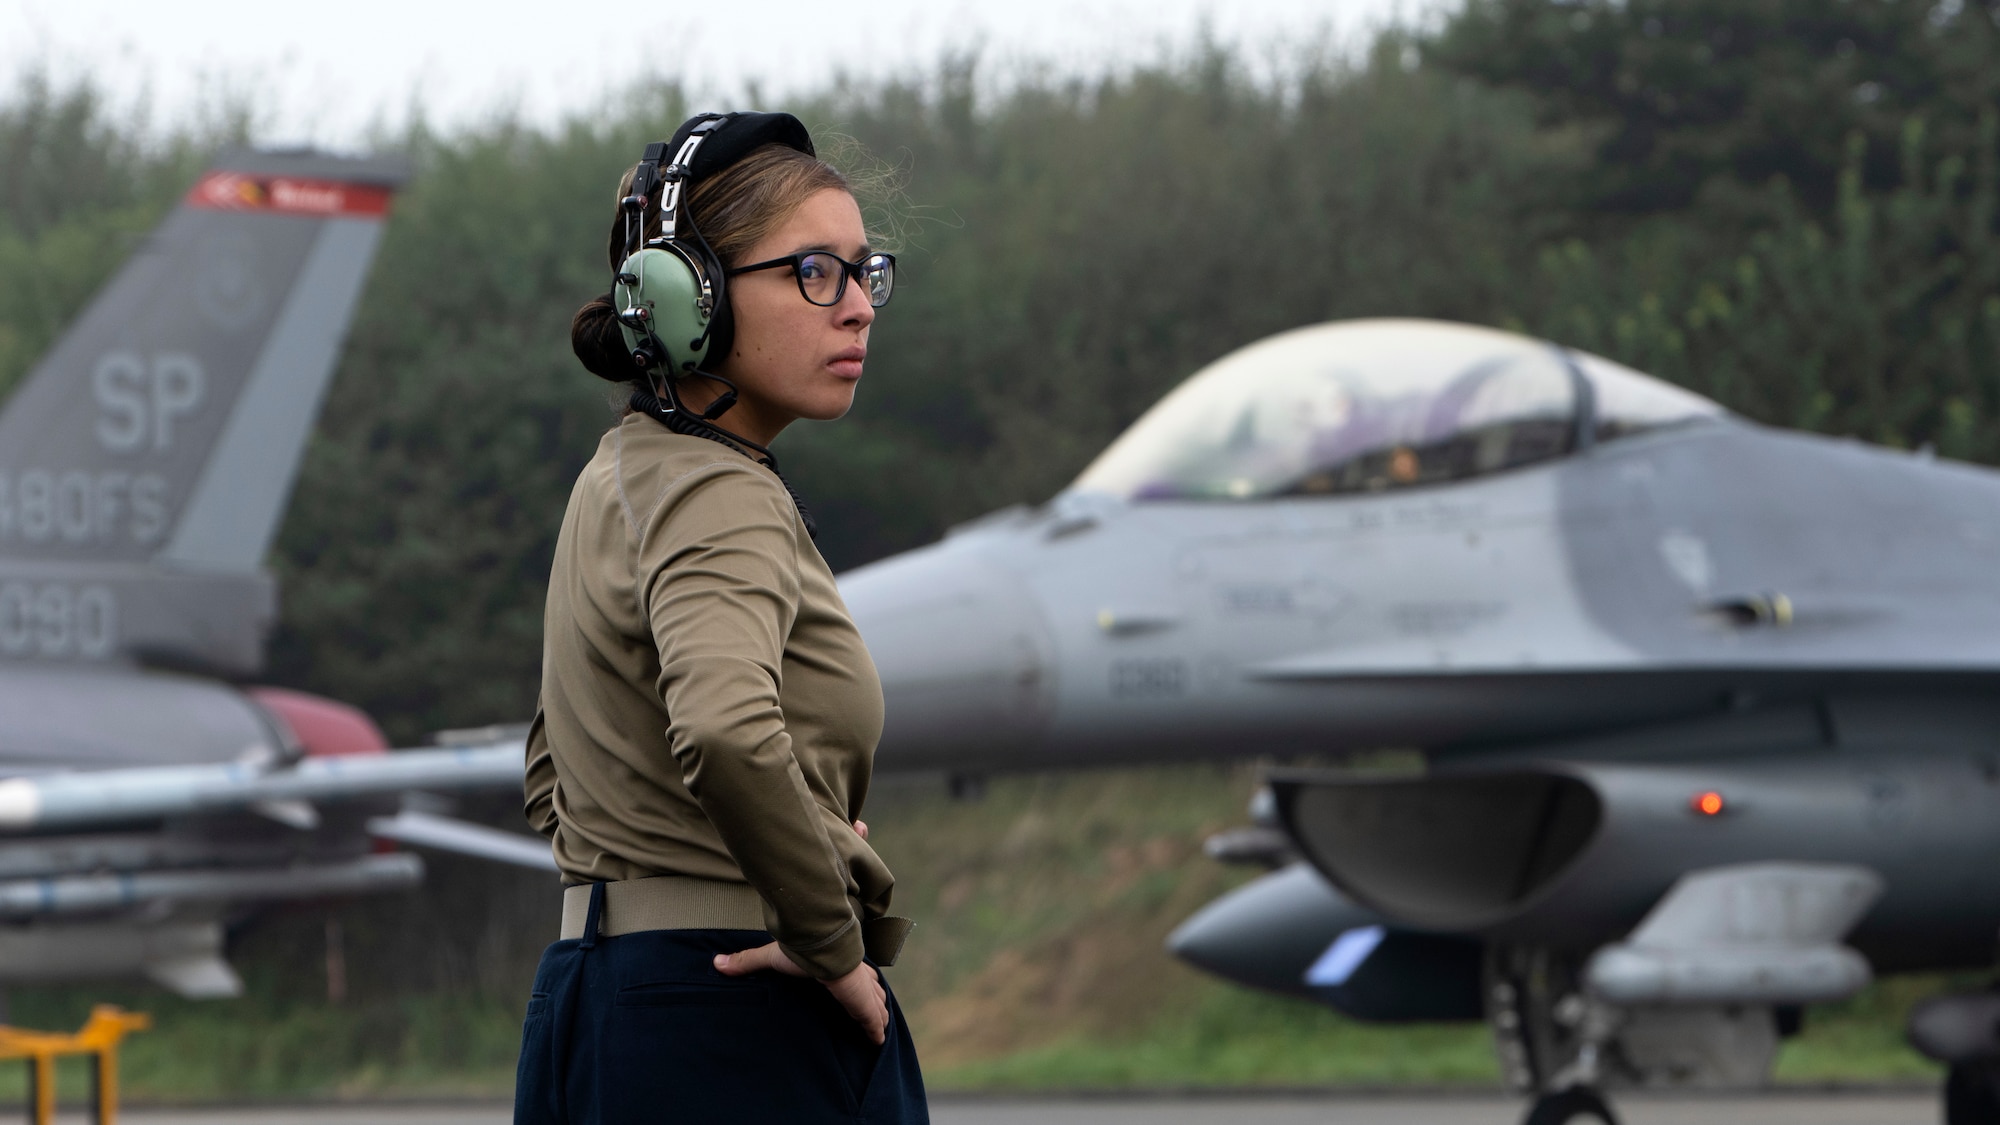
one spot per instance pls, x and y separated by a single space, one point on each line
150 798
1711 705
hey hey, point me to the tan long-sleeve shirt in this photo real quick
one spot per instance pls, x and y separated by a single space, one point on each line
708 708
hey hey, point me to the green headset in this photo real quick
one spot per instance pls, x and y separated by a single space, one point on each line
671 293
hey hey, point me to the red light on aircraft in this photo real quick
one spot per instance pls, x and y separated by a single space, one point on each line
1707 803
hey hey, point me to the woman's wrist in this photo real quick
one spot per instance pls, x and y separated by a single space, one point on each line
831 960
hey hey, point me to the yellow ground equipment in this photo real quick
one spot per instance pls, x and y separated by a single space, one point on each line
99 1037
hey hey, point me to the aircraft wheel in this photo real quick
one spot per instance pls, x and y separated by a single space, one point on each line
1576 1104
1972 1094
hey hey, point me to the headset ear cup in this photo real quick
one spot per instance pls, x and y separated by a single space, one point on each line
661 300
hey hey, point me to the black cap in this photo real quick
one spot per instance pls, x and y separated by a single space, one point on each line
738 136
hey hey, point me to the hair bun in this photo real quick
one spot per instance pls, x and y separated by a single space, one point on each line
597 340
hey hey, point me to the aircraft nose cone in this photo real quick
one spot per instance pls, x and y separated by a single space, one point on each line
963 653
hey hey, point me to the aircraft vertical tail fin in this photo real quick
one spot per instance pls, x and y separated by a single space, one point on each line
158 440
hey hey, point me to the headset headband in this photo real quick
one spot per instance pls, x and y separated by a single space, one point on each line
704 145
674 175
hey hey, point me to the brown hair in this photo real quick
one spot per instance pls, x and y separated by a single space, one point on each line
733 209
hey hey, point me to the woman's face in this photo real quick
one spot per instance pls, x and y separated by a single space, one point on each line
793 359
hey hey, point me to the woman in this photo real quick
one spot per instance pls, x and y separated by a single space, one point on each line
708 713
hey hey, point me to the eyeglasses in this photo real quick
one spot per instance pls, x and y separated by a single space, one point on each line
823 277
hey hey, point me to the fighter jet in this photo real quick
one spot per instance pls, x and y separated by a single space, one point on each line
1707 710
147 798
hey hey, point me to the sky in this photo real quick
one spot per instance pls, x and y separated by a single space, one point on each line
326 73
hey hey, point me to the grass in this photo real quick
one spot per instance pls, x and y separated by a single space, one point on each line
1038 964
1861 1039
424 1046
1238 1038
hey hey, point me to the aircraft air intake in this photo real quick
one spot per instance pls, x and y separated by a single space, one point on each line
1442 853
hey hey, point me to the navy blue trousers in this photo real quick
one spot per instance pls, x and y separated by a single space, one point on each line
642 1028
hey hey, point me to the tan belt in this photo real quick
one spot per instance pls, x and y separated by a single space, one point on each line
682 902
664 902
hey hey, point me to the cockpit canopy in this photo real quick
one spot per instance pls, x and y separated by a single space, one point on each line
1371 405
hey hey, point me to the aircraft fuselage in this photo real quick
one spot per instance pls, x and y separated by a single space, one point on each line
1639 581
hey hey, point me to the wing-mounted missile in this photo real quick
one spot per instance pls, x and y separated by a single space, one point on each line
73 800
424 829
182 956
160 923
289 794
106 893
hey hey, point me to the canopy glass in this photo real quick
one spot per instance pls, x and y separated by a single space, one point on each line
1371 405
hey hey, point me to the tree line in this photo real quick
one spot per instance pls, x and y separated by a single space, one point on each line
1788 205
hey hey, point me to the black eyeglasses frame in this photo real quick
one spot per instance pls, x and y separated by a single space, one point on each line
848 270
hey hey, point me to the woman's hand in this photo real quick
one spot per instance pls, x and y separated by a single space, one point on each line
860 991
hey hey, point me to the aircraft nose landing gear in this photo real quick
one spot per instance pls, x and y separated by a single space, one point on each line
1564 1047
1577 1105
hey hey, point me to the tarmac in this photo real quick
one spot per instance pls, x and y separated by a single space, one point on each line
1866 1107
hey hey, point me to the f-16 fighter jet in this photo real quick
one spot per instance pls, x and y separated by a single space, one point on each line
1710 711
146 800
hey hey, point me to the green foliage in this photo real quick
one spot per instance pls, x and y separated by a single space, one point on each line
46 276
1864 1035
1882 321
62 156
1692 100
